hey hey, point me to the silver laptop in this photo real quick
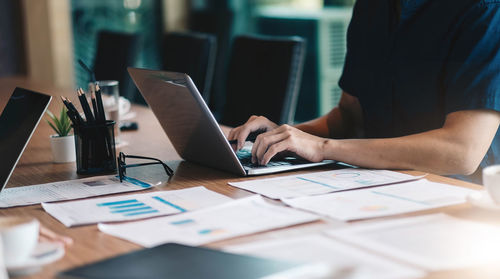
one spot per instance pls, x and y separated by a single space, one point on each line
193 130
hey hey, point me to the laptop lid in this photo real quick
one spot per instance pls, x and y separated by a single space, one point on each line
18 121
186 119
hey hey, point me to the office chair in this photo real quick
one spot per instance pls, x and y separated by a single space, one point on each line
193 54
115 52
263 78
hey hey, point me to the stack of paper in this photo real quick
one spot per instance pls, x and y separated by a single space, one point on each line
294 186
68 190
322 249
383 200
231 219
132 207
434 242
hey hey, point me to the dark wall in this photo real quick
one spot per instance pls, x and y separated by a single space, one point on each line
12 60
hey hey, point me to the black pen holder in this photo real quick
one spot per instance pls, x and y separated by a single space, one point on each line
95 148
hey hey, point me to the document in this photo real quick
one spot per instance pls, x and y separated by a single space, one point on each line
133 207
433 242
294 186
69 190
317 248
382 201
235 218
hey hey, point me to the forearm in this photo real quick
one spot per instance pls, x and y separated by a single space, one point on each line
431 151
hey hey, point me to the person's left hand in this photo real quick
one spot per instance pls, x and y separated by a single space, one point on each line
47 235
286 138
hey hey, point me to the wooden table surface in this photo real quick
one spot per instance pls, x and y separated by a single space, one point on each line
90 245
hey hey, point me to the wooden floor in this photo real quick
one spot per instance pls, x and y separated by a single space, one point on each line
90 245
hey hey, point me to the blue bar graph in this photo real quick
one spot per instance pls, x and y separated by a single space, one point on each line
130 207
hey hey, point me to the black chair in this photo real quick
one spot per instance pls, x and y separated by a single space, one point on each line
193 54
263 78
115 52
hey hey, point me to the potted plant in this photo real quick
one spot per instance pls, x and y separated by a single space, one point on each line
62 143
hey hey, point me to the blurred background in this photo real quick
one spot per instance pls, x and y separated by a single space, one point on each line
43 39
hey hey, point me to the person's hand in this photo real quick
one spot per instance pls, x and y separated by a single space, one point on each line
287 139
47 235
253 124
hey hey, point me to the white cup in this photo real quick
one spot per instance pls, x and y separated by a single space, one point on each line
491 180
19 238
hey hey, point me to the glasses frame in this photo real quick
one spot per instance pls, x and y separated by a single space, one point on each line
122 166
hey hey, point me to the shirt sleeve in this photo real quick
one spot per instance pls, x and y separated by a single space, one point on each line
472 70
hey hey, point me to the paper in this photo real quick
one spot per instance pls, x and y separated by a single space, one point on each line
231 219
294 186
317 248
434 242
133 207
382 201
68 190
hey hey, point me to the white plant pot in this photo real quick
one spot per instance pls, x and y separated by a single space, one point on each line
63 148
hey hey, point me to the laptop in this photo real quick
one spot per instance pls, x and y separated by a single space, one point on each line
18 121
193 130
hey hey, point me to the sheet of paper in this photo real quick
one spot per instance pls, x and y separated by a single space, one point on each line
294 186
235 218
133 207
316 248
383 200
68 190
433 242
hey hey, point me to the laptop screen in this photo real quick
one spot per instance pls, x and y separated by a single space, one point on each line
17 123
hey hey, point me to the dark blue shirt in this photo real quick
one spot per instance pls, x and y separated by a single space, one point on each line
411 65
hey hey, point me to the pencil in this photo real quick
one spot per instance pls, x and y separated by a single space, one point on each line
100 106
85 106
94 106
72 112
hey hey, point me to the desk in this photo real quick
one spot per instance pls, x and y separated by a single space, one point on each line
90 245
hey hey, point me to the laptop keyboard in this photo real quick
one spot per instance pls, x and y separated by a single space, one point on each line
245 157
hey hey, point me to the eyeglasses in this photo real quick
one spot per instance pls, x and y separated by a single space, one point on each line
122 167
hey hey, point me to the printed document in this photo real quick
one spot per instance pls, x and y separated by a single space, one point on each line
69 190
294 186
317 248
235 218
133 207
433 242
382 201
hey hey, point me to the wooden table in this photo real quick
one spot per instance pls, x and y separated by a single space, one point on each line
90 245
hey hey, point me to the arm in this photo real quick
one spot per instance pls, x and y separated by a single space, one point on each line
456 148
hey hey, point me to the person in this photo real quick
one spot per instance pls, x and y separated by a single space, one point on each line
421 87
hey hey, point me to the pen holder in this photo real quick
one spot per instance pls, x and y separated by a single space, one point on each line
95 148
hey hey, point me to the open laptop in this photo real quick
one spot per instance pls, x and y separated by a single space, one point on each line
18 121
193 130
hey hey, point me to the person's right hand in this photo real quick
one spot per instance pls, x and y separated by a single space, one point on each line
253 124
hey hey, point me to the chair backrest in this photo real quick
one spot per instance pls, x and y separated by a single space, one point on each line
115 52
191 53
263 78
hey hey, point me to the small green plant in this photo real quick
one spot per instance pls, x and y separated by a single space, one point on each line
61 125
